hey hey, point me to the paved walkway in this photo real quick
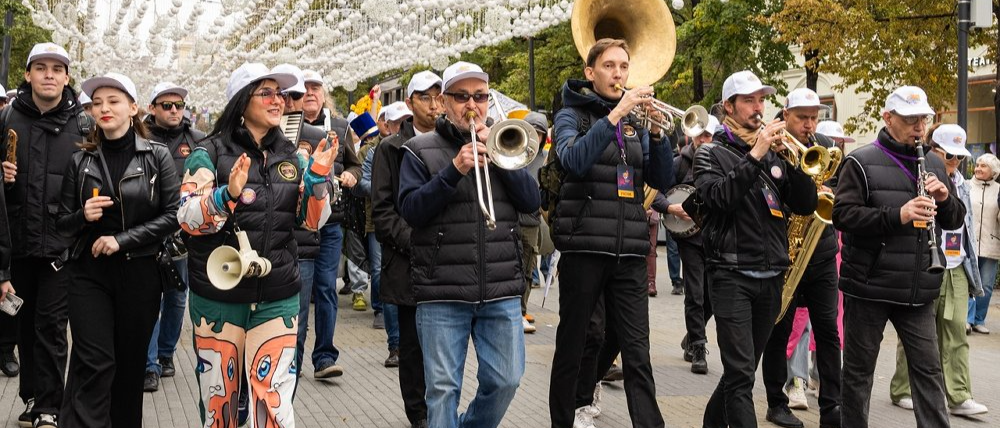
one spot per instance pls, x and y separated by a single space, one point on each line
368 394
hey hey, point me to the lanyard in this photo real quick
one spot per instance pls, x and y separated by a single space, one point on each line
621 143
896 158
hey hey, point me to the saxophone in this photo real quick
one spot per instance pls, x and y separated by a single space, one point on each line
804 231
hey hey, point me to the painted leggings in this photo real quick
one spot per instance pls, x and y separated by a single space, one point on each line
266 333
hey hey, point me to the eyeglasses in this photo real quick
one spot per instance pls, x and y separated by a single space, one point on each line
426 99
167 105
295 96
913 120
950 156
268 94
463 98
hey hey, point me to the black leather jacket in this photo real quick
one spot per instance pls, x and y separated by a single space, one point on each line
149 194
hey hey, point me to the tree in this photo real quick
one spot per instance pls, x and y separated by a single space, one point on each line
878 46
24 35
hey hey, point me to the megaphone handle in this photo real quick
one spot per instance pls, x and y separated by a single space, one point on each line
244 241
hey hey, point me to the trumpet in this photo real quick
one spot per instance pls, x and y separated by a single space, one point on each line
512 145
694 120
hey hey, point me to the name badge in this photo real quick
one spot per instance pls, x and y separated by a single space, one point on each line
626 182
772 202
953 244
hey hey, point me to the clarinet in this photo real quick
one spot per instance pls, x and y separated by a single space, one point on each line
936 266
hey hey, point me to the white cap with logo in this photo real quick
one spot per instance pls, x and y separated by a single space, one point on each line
744 83
421 82
804 97
951 138
396 111
833 129
163 88
713 125
249 73
48 50
84 99
110 80
463 70
300 85
908 101
312 76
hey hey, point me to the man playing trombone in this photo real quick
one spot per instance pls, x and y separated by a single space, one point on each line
600 228
467 276
742 184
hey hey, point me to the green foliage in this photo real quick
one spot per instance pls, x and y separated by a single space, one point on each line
24 35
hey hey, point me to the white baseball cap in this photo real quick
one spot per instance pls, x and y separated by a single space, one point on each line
3 91
12 93
804 97
84 99
48 50
463 70
421 82
951 138
312 76
713 125
744 83
112 80
163 88
833 129
251 72
300 85
396 111
908 101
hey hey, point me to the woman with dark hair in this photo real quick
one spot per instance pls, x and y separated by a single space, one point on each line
246 177
119 200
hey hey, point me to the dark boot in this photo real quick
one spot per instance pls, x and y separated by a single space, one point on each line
699 365
783 417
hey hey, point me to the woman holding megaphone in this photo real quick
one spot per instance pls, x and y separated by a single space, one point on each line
119 200
245 190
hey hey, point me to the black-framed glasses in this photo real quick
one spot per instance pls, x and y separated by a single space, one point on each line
167 105
268 94
294 96
479 98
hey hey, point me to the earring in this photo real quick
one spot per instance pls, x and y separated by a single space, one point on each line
241 120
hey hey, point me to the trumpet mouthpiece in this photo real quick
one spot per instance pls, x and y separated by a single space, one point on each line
471 115
619 87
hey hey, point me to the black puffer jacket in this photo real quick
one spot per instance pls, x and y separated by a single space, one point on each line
308 240
739 231
148 194
46 141
180 140
347 158
390 228
882 258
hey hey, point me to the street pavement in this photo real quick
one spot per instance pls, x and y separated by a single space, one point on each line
368 393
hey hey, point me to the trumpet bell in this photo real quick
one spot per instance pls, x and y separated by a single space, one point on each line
695 121
646 25
512 144
815 160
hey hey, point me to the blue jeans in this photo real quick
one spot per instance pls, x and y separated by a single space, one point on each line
163 342
375 265
390 312
673 261
444 330
979 305
324 289
307 269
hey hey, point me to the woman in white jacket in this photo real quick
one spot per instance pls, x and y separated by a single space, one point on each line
985 210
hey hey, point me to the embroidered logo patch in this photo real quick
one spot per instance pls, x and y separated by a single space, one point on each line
184 149
913 99
776 171
628 130
248 196
288 171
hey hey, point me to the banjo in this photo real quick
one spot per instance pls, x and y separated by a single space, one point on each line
678 227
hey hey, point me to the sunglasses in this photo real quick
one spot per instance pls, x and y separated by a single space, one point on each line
295 96
464 98
167 105
268 94
950 156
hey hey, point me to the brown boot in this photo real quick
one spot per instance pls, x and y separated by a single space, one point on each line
652 289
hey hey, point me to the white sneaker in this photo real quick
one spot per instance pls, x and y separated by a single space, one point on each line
906 403
968 407
583 419
594 409
796 393
528 328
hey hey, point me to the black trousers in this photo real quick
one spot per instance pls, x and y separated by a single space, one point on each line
8 332
697 304
114 304
818 292
864 326
598 353
41 331
411 366
583 278
745 309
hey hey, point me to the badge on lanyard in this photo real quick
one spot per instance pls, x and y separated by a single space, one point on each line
772 202
953 244
626 182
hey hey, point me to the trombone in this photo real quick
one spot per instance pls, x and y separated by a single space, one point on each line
512 145
694 120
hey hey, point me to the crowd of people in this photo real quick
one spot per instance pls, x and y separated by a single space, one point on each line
112 214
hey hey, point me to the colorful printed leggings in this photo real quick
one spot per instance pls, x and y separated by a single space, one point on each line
266 331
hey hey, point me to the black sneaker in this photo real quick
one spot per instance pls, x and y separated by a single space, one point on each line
167 368
698 363
783 417
25 420
614 374
345 290
46 420
677 289
327 370
151 383
393 360
8 363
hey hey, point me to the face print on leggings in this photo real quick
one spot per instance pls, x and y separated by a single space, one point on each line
272 378
218 372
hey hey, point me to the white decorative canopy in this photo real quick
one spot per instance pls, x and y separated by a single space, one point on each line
345 40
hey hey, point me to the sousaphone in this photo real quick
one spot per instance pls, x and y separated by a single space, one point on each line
646 25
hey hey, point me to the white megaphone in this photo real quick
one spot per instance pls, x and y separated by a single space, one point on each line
227 266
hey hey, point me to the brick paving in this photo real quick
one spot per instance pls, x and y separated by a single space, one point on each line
368 394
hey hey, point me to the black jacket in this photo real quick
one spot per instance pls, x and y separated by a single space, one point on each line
147 195
390 228
883 259
684 174
739 231
46 141
180 140
308 240
347 157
